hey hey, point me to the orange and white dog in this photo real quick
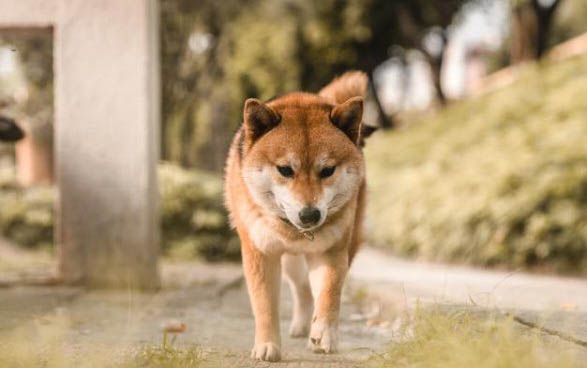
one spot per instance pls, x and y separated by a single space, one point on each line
295 189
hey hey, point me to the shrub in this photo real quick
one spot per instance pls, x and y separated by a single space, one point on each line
497 180
193 219
26 215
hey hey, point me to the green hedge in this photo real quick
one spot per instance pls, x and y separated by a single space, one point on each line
194 221
497 180
26 215
193 217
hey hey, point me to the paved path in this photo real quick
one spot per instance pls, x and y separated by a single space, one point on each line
210 300
555 304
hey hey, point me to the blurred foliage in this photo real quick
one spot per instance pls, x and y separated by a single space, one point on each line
26 215
215 54
570 21
194 221
35 57
567 22
497 180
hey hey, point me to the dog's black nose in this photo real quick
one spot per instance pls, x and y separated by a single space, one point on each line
309 215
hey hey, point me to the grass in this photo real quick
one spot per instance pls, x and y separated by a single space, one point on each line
158 357
48 344
438 339
498 180
142 357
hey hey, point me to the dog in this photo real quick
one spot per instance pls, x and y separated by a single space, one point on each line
295 190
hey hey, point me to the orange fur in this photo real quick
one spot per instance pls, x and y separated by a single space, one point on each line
305 132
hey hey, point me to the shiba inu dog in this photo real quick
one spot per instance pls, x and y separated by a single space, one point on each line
295 190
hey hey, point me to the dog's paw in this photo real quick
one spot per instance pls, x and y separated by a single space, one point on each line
323 337
266 351
299 328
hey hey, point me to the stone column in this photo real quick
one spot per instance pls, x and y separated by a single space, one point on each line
107 127
107 134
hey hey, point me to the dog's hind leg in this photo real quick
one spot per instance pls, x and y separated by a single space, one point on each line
295 272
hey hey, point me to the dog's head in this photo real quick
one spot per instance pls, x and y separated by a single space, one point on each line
303 161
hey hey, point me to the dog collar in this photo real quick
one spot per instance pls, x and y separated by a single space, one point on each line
307 234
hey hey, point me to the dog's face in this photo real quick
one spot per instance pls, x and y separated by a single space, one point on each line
303 163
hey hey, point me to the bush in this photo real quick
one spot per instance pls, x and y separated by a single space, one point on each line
193 217
496 180
194 221
26 215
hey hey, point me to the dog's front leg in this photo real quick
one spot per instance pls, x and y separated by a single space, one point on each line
327 273
263 275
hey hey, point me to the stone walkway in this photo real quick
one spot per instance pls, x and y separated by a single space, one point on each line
555 305
212 301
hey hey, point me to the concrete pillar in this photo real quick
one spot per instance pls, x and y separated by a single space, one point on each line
106 135
27 13
107 111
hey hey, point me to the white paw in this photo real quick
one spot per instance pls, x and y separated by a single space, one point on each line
323 337
299 327
266 351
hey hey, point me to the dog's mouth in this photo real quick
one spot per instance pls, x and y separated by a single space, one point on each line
307 233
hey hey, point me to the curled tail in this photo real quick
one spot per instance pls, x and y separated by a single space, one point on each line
350 84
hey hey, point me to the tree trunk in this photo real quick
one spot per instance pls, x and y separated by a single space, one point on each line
531 26
524 28
436 67
436 62
385 121
544 17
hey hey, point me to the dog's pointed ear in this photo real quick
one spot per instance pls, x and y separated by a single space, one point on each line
347 116
366 131
258 119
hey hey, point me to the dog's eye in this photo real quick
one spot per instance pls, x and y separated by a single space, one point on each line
327 171
286 171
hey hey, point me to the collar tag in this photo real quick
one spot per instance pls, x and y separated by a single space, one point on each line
308 235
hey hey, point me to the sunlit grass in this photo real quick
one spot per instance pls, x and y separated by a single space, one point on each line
436 339
142 357
49 344
159 357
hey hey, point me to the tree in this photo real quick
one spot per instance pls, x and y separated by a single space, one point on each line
531 26
545 15
424 26
216 54
198 116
